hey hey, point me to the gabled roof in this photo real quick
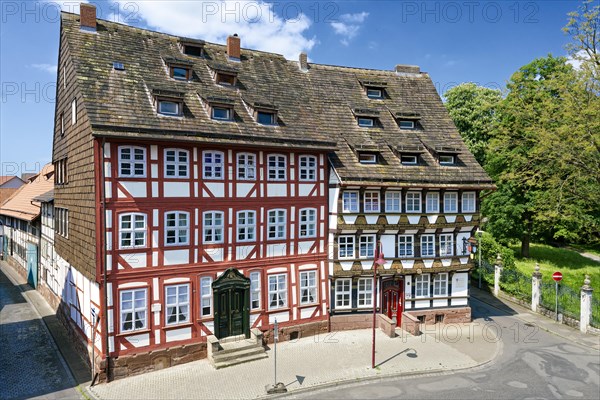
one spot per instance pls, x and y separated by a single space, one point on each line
20 205
316 109
7 178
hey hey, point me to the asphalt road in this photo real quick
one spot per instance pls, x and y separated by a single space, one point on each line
532 364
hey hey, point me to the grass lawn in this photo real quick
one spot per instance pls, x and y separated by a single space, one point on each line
592 249
573 265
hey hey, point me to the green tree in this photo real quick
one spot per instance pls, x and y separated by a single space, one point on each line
474 112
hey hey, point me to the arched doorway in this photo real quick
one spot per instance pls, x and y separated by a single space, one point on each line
232 299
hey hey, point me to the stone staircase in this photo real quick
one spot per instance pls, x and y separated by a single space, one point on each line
223 353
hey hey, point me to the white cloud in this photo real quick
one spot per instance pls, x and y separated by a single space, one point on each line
50 68
577 59
256 22
348 26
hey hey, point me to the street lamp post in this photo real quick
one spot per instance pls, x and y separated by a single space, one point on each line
378 260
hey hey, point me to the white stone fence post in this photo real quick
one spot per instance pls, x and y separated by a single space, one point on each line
497 274
536 286
586 305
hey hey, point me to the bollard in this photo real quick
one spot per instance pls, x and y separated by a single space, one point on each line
536 285
586 305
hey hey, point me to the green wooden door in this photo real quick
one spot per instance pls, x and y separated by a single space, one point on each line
232 298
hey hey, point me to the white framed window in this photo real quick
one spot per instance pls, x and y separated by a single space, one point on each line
246 226
177 304
422 285
468 202
308 222
432 202
409 159
132 230
367 158
168 107
277 291
365 292
213 226
367 246
177 228
343 289
427 245
450 202
413 202
393 201
74 112
221 113
366 122
374 93
346 246
206 296
308 168
132 162
446 244
276 224
62 124
212 164
133 309
406 246
255 290
440 284
350 201
406 124
371 199
276 167
447 159
246 166
176 163
308 287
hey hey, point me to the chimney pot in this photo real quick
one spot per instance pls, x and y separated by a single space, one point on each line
303 61
87 16
233 47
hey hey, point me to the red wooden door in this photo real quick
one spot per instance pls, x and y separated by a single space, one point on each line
393 299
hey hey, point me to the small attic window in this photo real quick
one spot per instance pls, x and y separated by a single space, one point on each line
406 124
221 113
223 78
190 50
374 93
266 117
409 159
180 73
447 159
367 158
168 107
366 122
117 66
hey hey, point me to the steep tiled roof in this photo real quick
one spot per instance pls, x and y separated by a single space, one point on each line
19 205
6 178
316 108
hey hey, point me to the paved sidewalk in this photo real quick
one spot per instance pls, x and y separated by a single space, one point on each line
316 361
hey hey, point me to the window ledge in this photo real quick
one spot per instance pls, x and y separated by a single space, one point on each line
137 332
176 326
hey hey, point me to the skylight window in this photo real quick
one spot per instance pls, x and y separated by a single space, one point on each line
366 122
118 66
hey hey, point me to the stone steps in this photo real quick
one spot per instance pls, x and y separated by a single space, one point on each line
238 357
234 350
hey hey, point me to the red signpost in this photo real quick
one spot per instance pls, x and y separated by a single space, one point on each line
557 276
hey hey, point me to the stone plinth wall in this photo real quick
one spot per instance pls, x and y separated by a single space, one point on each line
351 321
386 325
457 315
295 332
411 324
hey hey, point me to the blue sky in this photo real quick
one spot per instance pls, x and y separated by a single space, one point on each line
454 41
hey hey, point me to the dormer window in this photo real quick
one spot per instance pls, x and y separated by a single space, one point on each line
169 107
191 50
408 159
225 79
447 159
265 117
180 73
367 158
222 113
406 124
366 122
374 93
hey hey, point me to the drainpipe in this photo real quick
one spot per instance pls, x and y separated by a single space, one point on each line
104 277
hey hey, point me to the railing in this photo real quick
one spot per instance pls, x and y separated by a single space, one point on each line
516 283
569 300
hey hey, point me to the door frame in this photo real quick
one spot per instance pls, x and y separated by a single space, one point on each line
397 286
231 280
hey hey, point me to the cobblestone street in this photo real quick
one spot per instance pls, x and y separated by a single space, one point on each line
30 364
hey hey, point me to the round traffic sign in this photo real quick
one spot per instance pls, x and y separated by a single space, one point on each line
557 276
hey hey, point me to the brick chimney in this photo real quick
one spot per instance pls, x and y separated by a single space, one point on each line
408 69
87 16
303 61
233 46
